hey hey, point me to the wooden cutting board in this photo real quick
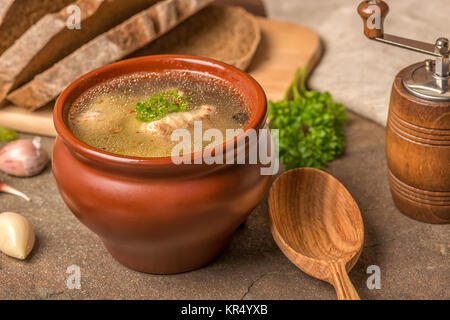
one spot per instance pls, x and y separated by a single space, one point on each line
284 47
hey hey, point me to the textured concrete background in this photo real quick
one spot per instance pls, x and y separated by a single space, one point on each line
357 71
413 256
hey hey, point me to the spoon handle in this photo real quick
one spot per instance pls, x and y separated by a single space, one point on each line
341 282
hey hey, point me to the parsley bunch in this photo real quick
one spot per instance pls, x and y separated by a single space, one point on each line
160 105
311 126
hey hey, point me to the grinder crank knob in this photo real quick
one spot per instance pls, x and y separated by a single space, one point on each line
373 13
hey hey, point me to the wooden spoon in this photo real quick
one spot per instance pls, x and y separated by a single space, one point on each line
318 226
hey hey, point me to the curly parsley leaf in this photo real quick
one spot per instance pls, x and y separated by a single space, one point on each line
311 126
160 105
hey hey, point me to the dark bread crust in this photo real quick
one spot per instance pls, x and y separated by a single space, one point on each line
18 15
111 46
49 40
229 34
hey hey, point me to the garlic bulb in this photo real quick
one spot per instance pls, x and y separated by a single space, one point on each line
16 235
23 157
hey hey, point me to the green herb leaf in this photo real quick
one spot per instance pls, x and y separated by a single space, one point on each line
160 105
7 135
311 126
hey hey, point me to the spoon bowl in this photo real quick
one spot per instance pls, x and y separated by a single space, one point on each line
317 225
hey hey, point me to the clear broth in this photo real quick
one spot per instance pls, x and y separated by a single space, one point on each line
104 118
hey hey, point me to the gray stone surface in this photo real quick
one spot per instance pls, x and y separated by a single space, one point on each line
357 71
413 256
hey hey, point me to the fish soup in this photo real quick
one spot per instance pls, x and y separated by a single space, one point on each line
135 115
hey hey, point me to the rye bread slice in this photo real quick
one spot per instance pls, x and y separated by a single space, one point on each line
16 16
50 40
108 47
229 34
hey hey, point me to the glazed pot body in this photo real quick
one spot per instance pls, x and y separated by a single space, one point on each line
156 216
418 155
157 224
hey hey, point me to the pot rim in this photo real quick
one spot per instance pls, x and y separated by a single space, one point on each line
257 118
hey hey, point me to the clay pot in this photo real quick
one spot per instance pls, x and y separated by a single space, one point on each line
151 214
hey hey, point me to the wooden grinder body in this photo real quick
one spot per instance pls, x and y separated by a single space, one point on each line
418 154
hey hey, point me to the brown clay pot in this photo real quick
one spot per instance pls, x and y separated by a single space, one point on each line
151 214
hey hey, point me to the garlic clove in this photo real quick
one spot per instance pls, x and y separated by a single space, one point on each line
16 235
23 157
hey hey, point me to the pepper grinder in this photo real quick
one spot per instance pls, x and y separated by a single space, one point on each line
418 126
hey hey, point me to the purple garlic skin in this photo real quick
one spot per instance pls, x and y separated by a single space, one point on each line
23 158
